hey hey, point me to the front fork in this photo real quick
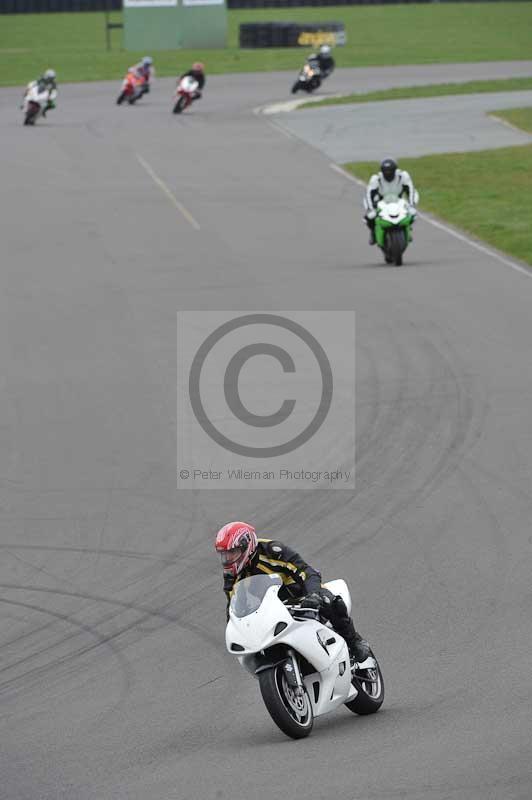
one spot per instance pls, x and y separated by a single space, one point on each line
293 673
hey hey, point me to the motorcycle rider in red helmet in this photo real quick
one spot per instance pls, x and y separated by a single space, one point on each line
243 555
198 73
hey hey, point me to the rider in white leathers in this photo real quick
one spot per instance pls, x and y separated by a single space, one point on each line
389 181
46 83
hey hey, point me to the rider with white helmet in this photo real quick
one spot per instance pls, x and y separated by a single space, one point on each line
324 59
144 71
49 78
45 83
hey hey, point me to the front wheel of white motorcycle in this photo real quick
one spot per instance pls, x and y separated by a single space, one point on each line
369 684
291 711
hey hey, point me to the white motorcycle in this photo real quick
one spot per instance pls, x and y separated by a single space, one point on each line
36 101
302 664
186 92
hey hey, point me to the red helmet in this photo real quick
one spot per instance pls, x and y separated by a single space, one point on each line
198 67
236 542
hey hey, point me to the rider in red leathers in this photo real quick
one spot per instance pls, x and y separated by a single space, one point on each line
144 71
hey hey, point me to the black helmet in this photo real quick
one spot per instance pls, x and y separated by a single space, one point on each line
388 169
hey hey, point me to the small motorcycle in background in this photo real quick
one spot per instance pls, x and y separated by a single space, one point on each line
309 78
133 88
36 103
186 92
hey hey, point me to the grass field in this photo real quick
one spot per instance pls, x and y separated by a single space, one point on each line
466 190
520 117
436 90
74 44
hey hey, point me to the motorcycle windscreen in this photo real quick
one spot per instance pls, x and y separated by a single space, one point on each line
249 593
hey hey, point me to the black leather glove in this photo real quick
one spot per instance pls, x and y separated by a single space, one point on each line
312 600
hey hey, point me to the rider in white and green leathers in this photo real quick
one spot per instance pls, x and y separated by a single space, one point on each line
47 82
389 181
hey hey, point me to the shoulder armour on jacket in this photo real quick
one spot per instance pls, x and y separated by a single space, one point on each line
273 549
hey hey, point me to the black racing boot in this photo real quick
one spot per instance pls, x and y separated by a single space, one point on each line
372 236
343 624
358 649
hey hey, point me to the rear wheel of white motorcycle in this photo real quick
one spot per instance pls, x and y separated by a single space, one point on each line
291 712
369 684
31 113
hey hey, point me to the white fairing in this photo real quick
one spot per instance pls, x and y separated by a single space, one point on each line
188 85
34 96
393 209
309 71
256 611
340 587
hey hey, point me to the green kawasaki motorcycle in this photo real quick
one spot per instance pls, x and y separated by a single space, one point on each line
393 228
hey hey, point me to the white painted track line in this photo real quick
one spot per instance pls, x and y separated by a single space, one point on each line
168 192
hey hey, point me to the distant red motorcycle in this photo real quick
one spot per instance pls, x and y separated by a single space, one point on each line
186 92
133 87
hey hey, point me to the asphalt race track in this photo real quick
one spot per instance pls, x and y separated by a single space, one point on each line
423 126
114 680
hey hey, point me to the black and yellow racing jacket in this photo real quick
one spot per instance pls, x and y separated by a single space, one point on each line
271 556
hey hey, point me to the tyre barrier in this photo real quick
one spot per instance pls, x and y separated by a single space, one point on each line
51 6
321 3
292 34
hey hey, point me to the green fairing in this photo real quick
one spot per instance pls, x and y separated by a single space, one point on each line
381 226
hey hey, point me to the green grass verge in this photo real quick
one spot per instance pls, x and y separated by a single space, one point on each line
435 90
477 192
520 117
74 44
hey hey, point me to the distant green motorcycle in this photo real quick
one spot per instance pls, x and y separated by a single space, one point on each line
393 228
